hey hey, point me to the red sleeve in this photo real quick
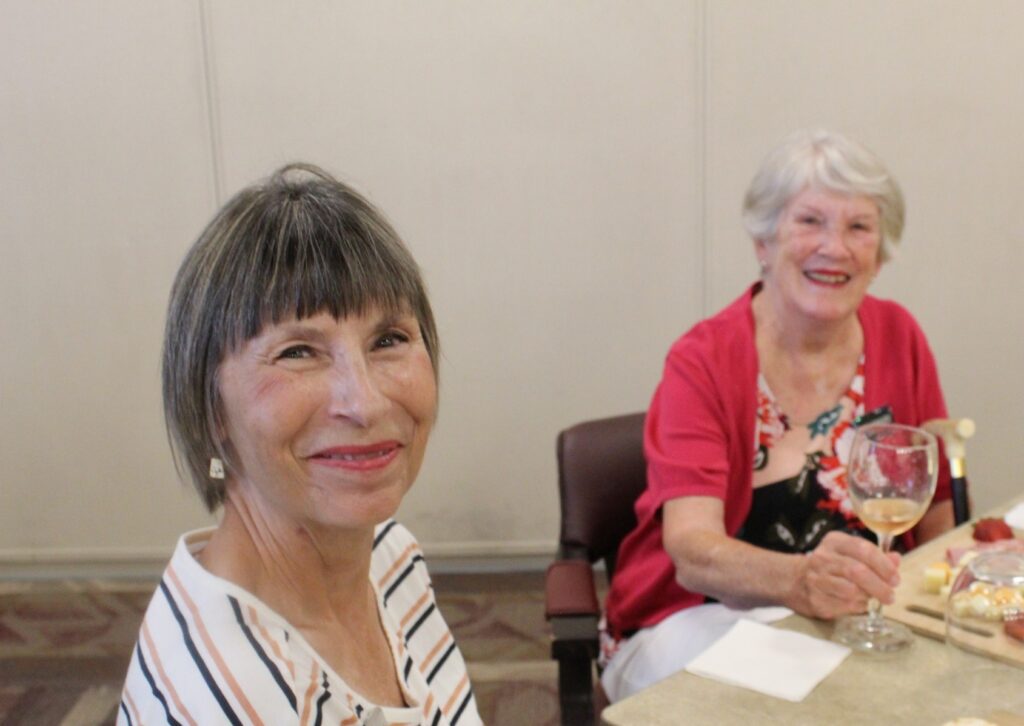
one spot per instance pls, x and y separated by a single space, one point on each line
904 375
930 401
699 434
685 435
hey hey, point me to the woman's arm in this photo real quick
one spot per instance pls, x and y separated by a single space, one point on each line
835 579
938 519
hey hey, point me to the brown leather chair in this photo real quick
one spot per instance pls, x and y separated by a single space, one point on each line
601 472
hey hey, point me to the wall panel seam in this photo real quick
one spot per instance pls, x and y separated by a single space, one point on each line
212 110
702 62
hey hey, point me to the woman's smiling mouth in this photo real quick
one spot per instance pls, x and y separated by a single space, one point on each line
359 458
827 277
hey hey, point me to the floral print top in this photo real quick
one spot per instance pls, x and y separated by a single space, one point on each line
793 513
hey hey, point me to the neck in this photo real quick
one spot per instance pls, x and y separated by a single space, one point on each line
305 573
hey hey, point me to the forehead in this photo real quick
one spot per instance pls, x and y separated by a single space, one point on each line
826 200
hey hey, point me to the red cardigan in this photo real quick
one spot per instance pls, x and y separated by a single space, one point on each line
699 437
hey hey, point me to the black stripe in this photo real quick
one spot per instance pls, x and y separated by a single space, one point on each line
321 701
408 667
420 620
437 718
203 670
440 662
271 666
153 687
462 707
359 710
126 714
383 533
401 578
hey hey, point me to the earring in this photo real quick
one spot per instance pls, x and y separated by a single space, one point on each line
216 468
764 265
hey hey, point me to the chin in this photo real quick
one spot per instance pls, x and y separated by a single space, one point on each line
362 514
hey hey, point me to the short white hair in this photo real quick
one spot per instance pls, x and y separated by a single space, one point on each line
822 159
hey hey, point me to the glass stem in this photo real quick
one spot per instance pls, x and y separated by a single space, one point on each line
875 618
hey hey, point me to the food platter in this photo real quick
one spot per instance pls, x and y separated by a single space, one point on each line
924 612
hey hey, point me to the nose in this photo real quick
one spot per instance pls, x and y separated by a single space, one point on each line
356 393
833 241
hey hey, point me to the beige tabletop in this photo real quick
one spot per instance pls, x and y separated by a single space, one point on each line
929 684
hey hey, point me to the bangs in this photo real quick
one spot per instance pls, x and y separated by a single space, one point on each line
301 257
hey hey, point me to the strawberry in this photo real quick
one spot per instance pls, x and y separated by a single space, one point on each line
990 530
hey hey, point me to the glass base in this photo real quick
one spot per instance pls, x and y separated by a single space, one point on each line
866 636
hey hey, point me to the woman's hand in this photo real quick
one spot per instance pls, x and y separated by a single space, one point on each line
837 578
841 575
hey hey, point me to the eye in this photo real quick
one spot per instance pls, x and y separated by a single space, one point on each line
808 219
390 339
296 352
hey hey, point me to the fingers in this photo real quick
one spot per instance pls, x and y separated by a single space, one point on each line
845 571
859 559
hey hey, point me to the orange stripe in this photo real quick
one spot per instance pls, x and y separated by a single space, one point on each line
455 695
434 651
307 700
255 620
214 653
349 721
415 606
131 707
428 704
167 684
396 564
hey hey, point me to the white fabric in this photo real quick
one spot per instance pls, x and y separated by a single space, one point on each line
769 660
1015 517
654 653
210 652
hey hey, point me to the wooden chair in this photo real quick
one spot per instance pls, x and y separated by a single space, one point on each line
601 472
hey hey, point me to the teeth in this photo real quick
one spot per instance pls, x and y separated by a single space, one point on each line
827 278
354 457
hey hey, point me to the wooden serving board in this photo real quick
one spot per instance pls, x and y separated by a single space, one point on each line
924 612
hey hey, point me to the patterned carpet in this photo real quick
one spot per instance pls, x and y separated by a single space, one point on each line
64 647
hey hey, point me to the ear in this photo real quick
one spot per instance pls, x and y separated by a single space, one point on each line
761 250
878 268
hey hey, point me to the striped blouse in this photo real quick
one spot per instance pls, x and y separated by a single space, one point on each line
210 652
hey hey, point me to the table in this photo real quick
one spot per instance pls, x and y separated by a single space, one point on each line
928 684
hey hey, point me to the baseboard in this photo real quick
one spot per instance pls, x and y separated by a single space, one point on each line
148 563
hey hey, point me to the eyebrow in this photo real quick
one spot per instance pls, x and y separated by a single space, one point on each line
307 331
809 207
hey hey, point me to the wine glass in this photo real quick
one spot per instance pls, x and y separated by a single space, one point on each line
890 475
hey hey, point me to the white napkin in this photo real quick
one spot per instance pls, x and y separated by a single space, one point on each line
1015 517
775 662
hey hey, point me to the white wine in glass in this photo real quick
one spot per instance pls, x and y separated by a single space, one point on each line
890 475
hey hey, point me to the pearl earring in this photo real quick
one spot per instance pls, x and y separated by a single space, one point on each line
216 468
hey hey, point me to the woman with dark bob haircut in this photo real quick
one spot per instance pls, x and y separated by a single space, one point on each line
300 387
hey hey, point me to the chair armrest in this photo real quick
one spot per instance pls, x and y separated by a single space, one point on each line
570 604
569 589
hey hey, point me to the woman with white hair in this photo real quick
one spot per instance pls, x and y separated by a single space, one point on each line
747 435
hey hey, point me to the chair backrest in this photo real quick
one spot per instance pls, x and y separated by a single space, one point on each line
601 472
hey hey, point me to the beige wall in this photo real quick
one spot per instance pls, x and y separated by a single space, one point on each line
568 174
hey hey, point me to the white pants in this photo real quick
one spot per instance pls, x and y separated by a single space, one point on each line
654 653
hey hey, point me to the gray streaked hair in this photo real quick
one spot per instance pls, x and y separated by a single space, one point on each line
822 160
298 244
